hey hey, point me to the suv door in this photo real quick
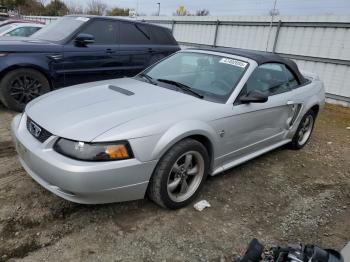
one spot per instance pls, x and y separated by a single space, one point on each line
96 61
256 127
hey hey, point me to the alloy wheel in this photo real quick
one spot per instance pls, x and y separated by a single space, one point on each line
185 176
305 130
24 88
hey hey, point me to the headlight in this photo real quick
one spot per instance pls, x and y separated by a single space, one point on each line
94 151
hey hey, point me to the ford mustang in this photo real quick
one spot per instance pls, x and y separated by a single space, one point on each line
196 113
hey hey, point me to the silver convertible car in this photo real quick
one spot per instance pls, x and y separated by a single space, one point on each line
196 113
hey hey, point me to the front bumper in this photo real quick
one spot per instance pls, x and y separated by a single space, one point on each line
79 181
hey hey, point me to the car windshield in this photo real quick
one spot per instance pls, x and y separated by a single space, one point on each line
212 76
60 29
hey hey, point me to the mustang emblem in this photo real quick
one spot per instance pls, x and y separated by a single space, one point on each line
34 129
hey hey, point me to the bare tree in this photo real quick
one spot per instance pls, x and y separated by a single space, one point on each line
75 8
202 12
42 2
116 11
96 7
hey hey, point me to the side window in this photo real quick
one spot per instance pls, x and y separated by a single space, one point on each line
134 34
105 32
291 80
269 79
161 36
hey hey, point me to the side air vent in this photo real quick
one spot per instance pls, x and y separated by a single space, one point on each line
121 90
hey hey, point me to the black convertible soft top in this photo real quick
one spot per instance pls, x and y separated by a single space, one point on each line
261 58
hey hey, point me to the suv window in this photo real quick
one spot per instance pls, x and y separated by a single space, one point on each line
105 32
134 34
161 36
271 79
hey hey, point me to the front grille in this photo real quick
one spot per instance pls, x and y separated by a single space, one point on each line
44 134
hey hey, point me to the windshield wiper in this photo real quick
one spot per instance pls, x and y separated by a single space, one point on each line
181 86
149 79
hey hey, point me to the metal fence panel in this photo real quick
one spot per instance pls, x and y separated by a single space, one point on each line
202 34
336 77
313 41
248 37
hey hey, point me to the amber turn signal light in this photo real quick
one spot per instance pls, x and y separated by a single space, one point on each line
117 152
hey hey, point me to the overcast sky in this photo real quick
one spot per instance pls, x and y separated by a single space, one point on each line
235 7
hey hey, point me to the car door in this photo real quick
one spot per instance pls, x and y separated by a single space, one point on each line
95 61
135 48
254 127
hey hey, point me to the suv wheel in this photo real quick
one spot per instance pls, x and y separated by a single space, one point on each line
179 175
20 86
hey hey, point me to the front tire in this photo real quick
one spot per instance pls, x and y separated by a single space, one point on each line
304 131
20 86
179 175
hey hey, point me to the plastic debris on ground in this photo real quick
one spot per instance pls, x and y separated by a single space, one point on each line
199 206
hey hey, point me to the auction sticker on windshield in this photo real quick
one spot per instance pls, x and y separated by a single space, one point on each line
233 62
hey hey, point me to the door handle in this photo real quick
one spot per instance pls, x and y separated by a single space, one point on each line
290 102
150 50
110 51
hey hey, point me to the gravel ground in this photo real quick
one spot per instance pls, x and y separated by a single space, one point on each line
282 197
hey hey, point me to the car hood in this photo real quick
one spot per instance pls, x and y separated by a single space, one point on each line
25 44
85 111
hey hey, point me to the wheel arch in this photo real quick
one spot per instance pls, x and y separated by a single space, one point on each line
29 66
196 130
315 108
205 141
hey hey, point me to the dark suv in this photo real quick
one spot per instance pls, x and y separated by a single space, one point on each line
78 49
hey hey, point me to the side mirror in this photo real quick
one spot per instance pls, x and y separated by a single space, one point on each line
253 97
84 39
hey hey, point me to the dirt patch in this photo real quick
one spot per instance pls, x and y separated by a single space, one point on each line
7 149
282 197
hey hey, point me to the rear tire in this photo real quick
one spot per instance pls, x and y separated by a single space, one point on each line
304 131
179 175
20 86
